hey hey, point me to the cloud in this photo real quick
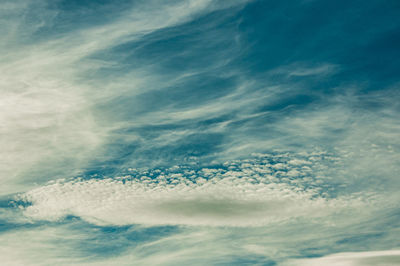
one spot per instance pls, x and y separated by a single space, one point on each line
299 69
253 192
50 123
378 258
118 94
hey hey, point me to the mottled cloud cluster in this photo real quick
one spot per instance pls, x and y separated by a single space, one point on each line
266 189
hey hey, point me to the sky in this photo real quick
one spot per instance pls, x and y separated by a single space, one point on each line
199 132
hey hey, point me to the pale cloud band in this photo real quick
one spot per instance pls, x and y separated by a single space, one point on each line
254 192
370 258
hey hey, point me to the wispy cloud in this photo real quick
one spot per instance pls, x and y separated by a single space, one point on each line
143 115
386 257
49 116
302 70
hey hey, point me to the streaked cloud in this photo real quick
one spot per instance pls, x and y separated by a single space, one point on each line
378 258
199 132
49 113
302 69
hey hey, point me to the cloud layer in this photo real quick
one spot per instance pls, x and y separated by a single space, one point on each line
378 258
253 192
199 132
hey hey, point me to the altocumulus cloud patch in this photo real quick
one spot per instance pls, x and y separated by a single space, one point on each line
252 192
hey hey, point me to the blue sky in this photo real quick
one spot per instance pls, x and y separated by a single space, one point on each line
199 132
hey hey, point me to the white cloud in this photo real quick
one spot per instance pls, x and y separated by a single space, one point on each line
49 127
239 195
34 247
302 69
48 121
375 258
